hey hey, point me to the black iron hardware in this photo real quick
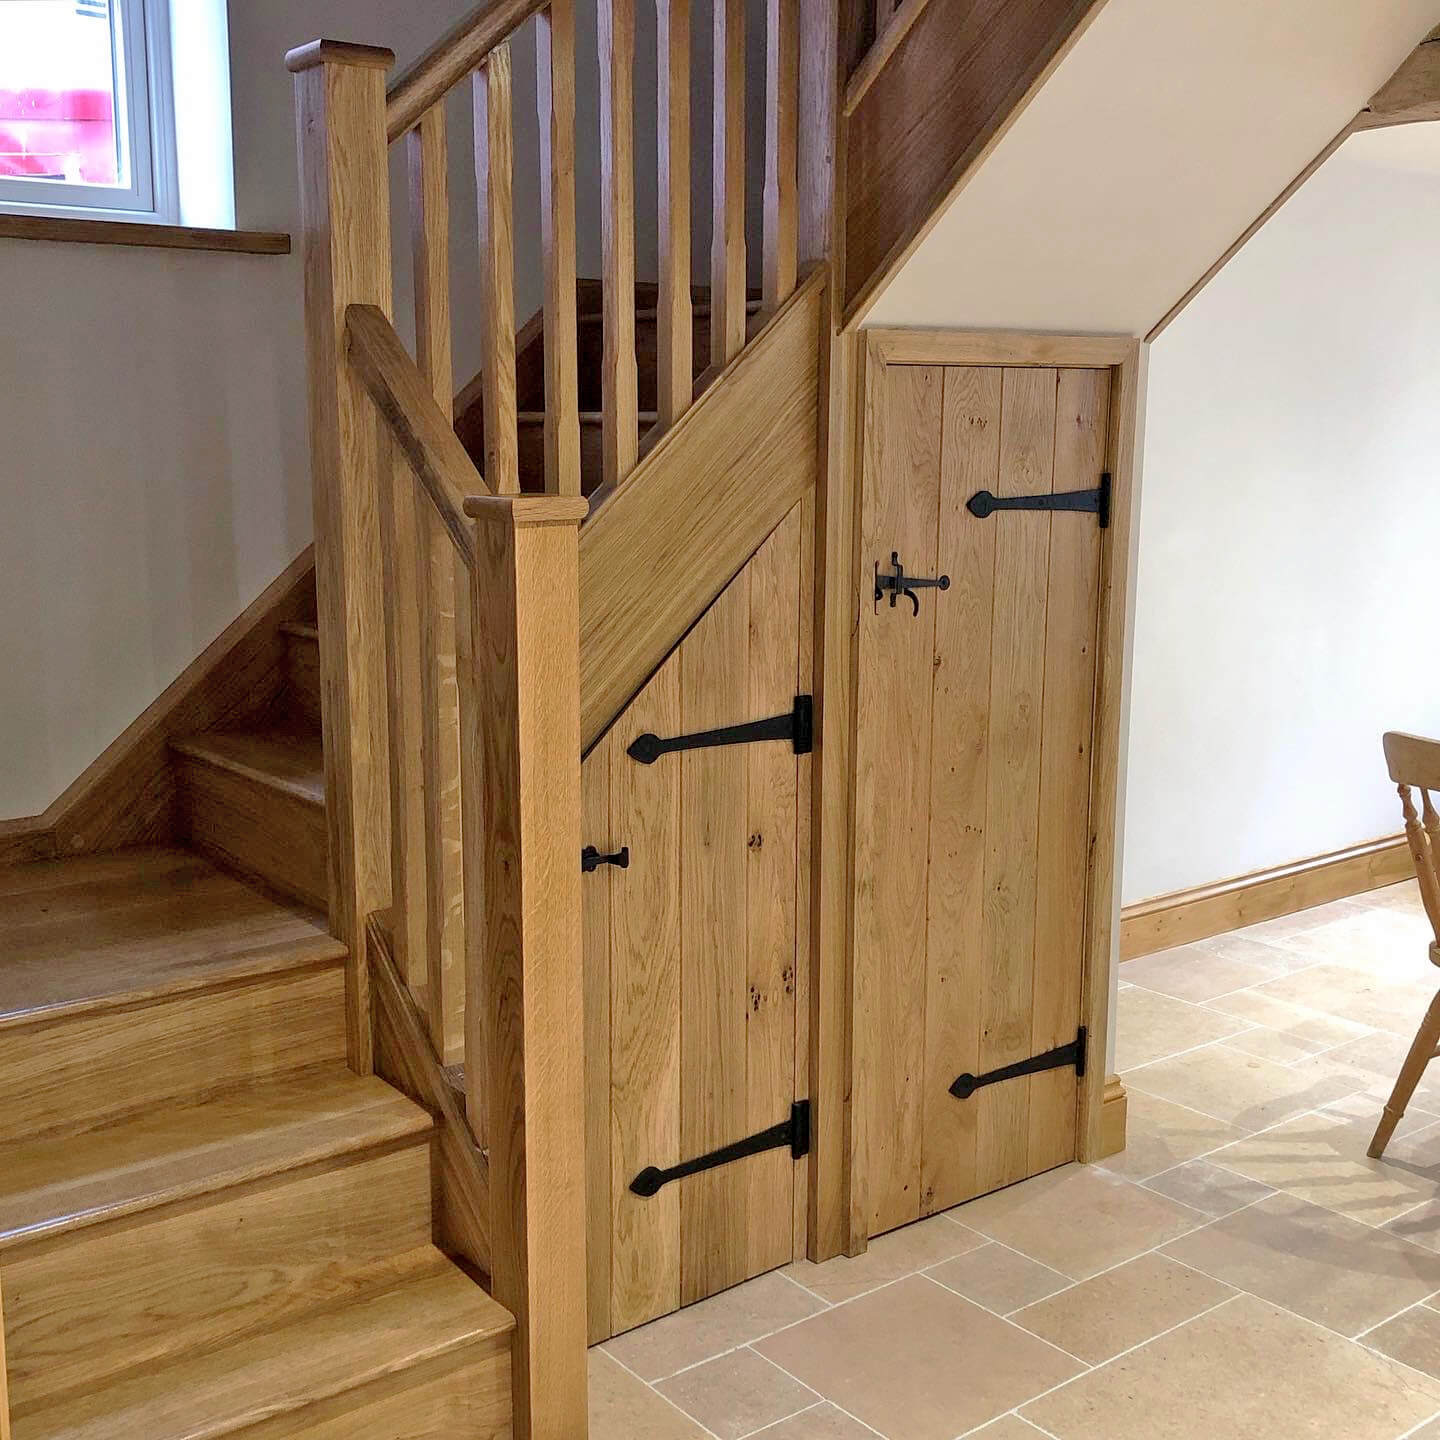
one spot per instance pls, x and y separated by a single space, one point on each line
592 859
794 1132
798 727
900 584
1093 502
1062 1058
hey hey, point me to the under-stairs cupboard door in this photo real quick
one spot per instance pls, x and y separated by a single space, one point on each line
691 937
975 716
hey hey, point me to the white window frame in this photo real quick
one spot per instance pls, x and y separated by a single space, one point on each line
148 133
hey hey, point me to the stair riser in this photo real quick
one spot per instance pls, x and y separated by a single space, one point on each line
302 680
254 828
76 1073
93 1305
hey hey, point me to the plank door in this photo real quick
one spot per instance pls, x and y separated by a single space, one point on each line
691 954
972 778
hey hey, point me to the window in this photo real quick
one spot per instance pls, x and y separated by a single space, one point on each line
86 115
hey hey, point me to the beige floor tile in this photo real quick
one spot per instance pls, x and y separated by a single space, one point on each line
1313 1261
700 1332
917 1361
1412 1338
1149 1025
1321 1158
1426 1432
998 1278
1375 1059
901 1252
1007 1427
1263 954
1240 1089
1160 1135
1122 1308
1297 1039
1353 994
1246 1371
820 1422
1079 1220
1389 942
736 1394
1420 1226
1363 1107
624 1408
1207 1188
1261 1009
1197 974
1404 897
1286 927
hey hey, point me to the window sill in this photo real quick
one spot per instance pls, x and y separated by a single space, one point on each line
121 232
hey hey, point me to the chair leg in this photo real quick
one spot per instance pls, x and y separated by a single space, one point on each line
1427 1040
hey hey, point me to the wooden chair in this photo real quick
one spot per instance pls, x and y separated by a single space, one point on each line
1415 765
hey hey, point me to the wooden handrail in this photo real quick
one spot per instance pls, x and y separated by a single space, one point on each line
446 63
419 426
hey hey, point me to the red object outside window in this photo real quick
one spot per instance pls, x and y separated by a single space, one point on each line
58 135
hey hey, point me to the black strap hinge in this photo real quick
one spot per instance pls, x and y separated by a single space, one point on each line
798 727
1094 502
794 1132
592 859
1062 1058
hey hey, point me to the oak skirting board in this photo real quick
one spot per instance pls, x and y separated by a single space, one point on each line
1187 915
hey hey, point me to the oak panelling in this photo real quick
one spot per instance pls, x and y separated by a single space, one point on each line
804 1089
892 788
727 181
1017 679
300 699
1067 720
675 362
645 1011
956 969
714 672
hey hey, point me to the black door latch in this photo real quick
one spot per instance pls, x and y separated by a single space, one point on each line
592 859
1093 502
798 727
1061 1058
794 1132
900 584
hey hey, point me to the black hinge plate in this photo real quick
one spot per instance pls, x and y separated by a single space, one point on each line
1061 1058
794 1132
798 727
1094 502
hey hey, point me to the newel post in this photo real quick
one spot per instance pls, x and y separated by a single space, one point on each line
345 219
525 1034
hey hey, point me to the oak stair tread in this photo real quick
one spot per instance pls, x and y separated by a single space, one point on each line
51 1186
284 760
282 1372
96 933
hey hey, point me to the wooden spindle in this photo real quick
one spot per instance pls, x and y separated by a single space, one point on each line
621 424
555 103
675 322
427 151
1427 864
494 186
525 960
782 91
727 246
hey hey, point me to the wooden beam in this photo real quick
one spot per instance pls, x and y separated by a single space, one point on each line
1412 94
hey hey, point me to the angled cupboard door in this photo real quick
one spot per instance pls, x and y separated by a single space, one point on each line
972 802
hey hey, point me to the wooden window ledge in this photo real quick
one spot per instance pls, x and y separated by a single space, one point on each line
124 232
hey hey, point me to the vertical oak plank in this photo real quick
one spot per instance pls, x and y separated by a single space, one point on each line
621 423
770 895
892 787
527 959
675 325
727 172
427 151
494 186
714 981
4 1377
955 975
645 1010
345 206
555 103
1017 678
782 82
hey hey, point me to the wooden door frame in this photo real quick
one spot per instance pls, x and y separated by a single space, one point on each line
860 359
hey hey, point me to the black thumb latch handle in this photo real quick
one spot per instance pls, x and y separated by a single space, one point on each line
798 727
1061 1058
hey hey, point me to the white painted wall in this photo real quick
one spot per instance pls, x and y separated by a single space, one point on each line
154 470
1167 129
1286 605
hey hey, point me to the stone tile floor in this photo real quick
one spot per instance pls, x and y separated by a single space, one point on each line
1242 1270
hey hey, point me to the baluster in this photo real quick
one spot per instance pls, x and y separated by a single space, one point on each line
1430 880
555 103
617 230
427 153
675 337
494 182
782 85
727 246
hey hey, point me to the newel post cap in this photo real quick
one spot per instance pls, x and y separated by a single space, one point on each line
338 52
